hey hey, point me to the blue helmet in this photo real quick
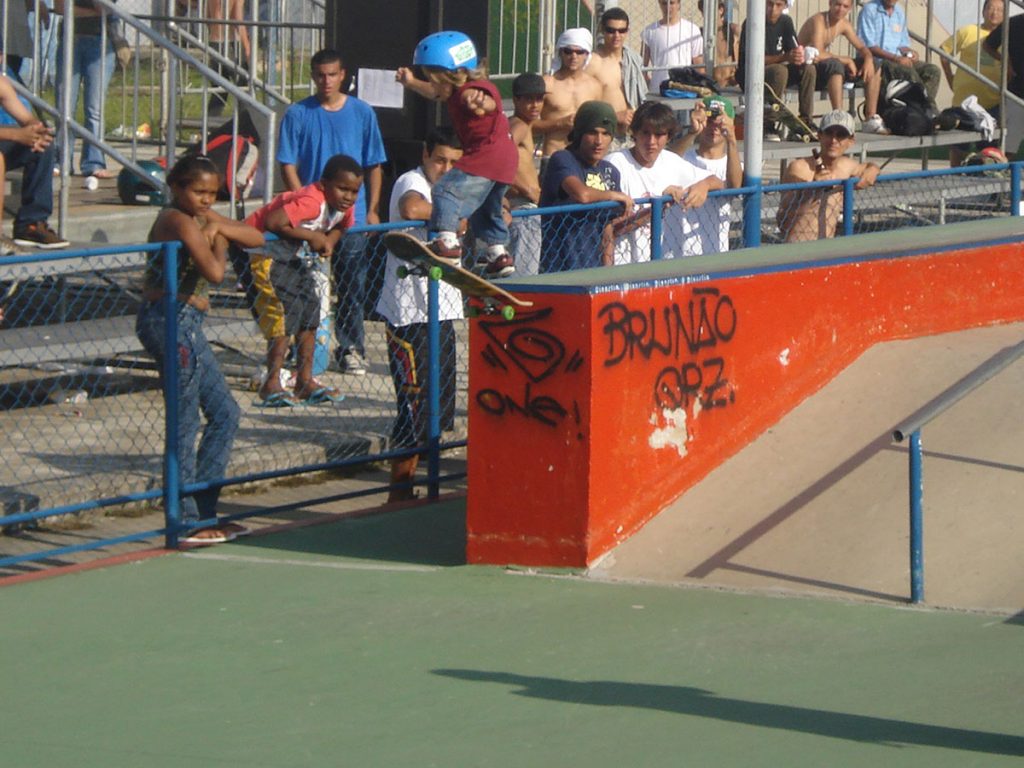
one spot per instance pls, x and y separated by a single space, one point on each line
446 50
134 191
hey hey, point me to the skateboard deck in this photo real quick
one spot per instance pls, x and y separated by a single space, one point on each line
798 129
423 261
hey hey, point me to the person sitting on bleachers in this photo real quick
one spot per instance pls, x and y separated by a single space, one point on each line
672 41
966 44
882 25
783 64
813 214
819 32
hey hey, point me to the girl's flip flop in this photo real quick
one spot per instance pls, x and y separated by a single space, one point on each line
277 400
324 395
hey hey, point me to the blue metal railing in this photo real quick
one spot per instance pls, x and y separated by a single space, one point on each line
171 490
912 429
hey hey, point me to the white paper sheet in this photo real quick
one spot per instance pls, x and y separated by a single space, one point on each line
377 87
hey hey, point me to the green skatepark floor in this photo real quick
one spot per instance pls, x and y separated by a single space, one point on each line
367 642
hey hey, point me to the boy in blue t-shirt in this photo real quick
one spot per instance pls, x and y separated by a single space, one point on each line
580 174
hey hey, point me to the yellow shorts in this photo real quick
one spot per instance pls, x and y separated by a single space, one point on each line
269 309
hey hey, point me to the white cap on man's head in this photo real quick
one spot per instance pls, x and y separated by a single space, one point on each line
576 37
837 118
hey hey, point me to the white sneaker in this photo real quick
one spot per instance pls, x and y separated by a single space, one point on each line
352 363
874 124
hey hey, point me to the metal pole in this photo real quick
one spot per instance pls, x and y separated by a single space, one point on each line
848 201
1016 209
753 121
916 533
433 389
172 471
656 228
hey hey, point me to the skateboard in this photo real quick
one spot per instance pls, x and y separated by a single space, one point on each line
798 129
423 261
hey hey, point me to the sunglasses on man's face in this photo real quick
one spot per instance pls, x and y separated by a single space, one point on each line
616 30
573 52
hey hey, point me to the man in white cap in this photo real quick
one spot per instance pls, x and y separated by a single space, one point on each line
814 213
567 88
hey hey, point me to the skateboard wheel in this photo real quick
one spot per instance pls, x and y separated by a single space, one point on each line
508 312
435 273
805 138
402 272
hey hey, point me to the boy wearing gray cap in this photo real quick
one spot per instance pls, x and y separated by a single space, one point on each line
813 214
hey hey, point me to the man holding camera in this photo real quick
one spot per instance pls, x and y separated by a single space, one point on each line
710 145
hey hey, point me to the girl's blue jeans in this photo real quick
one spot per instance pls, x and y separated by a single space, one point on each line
201 388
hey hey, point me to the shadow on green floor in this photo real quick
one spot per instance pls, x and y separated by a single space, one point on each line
432 534
698 702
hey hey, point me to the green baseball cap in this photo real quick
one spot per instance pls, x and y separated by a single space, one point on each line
719 104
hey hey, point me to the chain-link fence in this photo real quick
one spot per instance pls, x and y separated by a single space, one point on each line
81 401
82 406
578 236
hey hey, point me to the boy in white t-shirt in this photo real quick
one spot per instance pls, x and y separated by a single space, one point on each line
403 304
716 151
646 170
671 42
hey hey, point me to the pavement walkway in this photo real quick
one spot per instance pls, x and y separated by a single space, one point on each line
367 642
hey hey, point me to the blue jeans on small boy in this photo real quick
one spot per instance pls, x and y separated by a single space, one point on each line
458 195
201 387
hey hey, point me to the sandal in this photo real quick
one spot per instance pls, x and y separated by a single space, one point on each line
210 535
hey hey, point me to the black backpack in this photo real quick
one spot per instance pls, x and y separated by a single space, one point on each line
959 119
906 110
694 78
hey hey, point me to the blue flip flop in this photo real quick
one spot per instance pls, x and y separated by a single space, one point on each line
277 400
323 395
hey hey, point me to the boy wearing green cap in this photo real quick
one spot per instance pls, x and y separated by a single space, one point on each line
580 174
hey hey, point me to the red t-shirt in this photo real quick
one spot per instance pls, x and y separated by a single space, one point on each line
487 146
305 208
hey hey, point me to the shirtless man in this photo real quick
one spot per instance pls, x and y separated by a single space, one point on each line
528 91
819 31
567 88
813 214
619 69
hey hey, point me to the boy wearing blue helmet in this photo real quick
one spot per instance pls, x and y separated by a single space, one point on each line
474 188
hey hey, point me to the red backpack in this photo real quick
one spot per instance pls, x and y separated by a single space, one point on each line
237 162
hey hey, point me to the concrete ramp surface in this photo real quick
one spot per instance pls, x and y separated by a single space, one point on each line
819 503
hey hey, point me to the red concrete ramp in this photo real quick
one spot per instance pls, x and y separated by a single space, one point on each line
623 388
818 503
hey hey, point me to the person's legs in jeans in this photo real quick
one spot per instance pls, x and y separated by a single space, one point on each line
149 327
73 86
36 181
488 224
348 265
222 414
458 195
97 69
